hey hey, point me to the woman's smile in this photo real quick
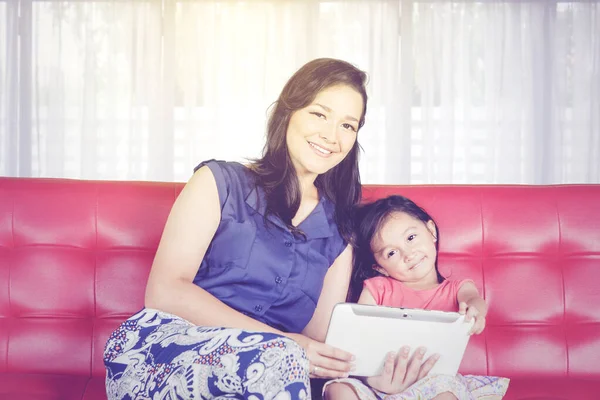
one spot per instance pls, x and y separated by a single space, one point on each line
320 151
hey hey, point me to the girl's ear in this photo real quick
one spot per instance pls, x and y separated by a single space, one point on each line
380 270
432 230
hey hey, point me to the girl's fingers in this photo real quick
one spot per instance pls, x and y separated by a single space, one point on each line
392 374
481 325
428 365
478 326
471 312
414 367
401 368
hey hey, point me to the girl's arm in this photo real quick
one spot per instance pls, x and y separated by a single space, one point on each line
366 298
472 305
189 229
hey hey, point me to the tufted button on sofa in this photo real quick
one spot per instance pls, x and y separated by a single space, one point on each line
75 256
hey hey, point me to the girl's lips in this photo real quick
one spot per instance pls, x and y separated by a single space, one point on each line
417 264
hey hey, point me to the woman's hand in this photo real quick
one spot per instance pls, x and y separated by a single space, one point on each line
475 308
325 361
400 371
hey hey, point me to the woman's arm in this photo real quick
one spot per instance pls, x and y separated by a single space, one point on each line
189 229
335 289
327 361
188 232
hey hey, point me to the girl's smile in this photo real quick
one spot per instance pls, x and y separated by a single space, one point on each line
404 249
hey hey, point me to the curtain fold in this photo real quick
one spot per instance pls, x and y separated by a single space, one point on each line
460 91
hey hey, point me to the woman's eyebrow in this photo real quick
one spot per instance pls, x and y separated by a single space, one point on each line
348 117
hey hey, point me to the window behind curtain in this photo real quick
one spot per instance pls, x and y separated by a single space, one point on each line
460 92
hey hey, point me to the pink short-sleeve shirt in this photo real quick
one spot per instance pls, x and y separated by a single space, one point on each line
392 293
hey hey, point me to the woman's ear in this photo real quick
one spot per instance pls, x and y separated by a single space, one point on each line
380 270
432 230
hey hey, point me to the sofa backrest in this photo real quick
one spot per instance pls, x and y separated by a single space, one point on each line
75 256
74 259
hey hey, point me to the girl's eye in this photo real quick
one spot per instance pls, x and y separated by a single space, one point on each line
411 237
391 253
350 127
318 114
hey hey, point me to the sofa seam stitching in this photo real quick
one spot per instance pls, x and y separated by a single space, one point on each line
95 284
485 341
562 274
10 267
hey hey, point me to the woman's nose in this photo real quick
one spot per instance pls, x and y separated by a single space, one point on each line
329 134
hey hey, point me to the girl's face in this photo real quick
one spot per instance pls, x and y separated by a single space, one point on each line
404 249
320 135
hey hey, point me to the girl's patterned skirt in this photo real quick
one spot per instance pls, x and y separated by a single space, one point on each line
468 387
155 355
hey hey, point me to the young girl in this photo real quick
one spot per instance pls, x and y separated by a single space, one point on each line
396 258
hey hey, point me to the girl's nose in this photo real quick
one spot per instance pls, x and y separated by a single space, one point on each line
409 254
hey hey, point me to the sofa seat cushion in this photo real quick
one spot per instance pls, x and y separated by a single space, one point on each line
25 386
552 389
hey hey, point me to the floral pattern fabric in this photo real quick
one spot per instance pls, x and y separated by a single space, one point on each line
159 356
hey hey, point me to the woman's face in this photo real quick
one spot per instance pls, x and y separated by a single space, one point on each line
320 135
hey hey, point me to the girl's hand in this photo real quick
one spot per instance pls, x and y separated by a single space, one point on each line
475 308
325 361
400 372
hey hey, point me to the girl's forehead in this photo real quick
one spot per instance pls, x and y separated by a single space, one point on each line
393 228
397 220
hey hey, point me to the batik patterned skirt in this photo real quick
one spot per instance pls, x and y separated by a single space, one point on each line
155 355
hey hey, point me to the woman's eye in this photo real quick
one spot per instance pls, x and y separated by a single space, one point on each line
411 237
350 127
318 114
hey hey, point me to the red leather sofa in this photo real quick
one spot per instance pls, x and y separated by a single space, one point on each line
75 255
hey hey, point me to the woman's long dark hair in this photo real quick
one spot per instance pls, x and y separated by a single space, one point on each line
275 171
368 220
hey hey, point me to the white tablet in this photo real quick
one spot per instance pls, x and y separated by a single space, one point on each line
370 332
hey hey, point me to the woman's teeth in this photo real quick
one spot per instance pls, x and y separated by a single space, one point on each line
320 149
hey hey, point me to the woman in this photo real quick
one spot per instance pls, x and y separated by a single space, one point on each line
253 259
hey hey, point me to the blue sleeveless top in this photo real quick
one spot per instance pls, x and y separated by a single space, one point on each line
264 271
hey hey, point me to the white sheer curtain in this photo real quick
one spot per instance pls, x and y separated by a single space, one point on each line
460 92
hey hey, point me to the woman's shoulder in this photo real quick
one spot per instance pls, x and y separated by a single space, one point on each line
231 167
229 171
232 178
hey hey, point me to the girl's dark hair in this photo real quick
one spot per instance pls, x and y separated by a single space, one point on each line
275 171
368 220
